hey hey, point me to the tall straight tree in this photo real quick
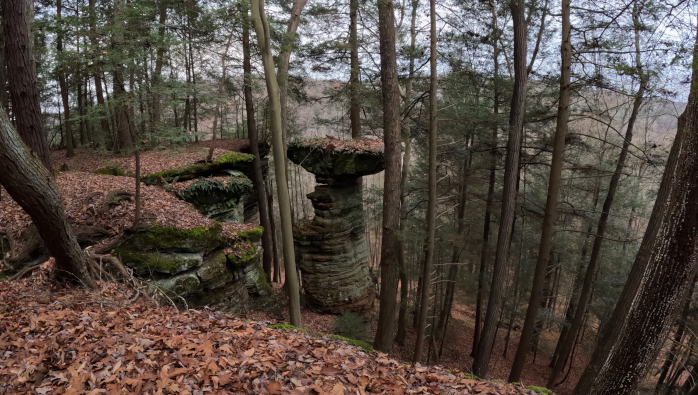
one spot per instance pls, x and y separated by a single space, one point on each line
431 205
554 180
20 72
354 99
588 283
261 26
67 123
406 157
390 244
254 148
284 58
662 272
31 185
511 176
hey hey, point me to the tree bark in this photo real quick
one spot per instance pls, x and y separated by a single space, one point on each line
68 123
263 41
406 158
254 148
20 73
123 138
431 205
391 188
603 221
511 173
32 187
284 58
354 99
678 338
159 61
661 275
554 181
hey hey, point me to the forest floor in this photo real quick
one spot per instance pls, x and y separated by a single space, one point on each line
61 340
458 345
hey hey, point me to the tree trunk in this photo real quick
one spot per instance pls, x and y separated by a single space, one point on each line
20 73
97 71
554 180
455 255
263 40
661 275
123 138
603 221
355 100
159 61
431 205
391 188
406 158
511 173
284 58
68 124
254 148
32 187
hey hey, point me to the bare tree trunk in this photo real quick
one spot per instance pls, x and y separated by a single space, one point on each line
511 173
263 41
391 188
406 157
355 100
123 137
678 338
20 73
554 180
661 275
284 58
159 61
68 124
32 187
603 220
431 205
254 148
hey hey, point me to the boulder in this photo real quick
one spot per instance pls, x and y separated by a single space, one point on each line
224 165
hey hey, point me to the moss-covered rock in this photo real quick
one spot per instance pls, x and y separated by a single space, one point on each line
155 264
256 280
169 239
220 201
227 162
182 285
111 171
335 166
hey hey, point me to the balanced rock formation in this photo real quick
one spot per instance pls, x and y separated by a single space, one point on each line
331 249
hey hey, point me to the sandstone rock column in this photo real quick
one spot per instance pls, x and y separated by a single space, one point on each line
332 249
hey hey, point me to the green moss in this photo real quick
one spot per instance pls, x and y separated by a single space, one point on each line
286 327
243 255
166 249
358 343
540 390
229 160
111 171
252 235
235 157
471 376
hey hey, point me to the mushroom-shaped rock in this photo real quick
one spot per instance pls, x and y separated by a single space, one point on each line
334 161
332 249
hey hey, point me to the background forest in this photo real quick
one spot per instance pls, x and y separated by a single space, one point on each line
516 225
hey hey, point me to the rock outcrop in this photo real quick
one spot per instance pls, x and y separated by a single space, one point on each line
221 190
331 248
199 266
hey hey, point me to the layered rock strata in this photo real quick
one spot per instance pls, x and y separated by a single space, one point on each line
331 249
